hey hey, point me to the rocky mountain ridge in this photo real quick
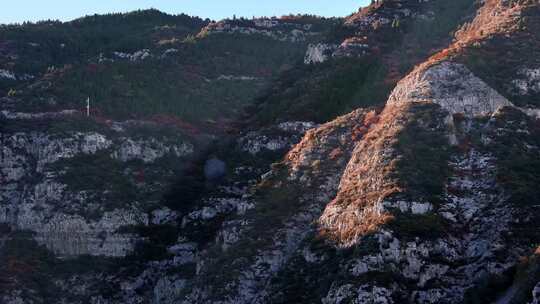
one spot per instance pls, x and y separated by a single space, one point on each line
430 197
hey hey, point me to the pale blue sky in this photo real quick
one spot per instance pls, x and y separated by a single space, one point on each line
34 10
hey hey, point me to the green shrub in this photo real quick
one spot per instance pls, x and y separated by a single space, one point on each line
423 170
411 226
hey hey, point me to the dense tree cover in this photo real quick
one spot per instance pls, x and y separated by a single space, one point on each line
315 23
423 168
42 44
322 92
183 76
194 83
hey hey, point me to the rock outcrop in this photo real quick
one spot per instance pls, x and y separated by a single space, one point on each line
318 53
276 29
66 216
431 197
529 81
453 87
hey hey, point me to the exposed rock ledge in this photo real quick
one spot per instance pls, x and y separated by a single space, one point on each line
45 115
73 235
318 53
534 112
452 86
149 150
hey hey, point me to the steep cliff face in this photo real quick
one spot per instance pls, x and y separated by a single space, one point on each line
453 87
305 180
430 197
51 185
424 211
490 45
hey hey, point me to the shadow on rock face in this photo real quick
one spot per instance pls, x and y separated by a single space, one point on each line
214 169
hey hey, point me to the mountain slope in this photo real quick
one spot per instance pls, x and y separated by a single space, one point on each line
423 212
78 191
361 61
427 193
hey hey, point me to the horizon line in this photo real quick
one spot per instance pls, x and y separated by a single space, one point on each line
125 12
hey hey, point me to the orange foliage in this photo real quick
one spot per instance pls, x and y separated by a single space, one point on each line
370 119
336 153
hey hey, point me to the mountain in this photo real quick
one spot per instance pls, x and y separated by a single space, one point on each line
390 156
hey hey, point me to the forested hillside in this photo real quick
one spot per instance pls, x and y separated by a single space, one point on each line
148 63
389 156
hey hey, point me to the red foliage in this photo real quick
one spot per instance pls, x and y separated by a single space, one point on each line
93 68
171 120
139 176
263 72
465 145
371 118
440 56
336 153
360 131
16 267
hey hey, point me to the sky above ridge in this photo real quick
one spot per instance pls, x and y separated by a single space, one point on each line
17 11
